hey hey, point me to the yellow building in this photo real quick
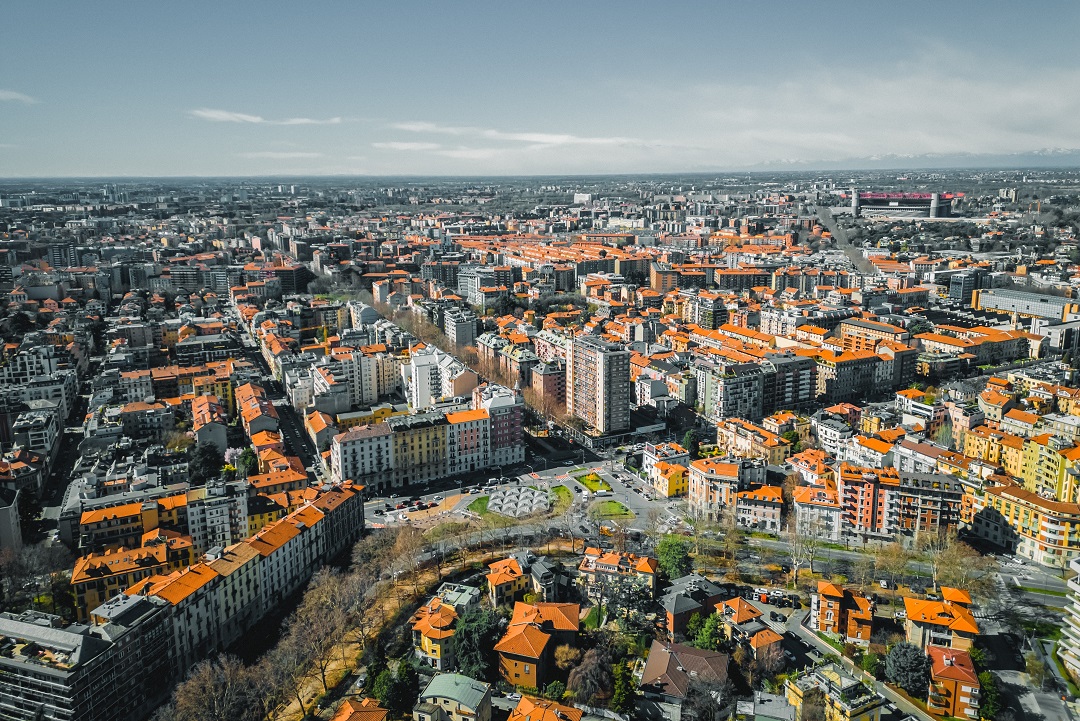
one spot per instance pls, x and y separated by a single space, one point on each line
846 698
420 447
1047 532
433 633
213 385
1046 465
670 479
506 582
370 416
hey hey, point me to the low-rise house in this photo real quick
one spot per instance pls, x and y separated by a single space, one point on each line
433 634
685 597
954 684
846 698
530 708
598 567
506 582
453 697
842 614
367 709
668 673
948 622
527 648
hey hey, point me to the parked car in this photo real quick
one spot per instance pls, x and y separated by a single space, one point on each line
900 614
438 499
884 584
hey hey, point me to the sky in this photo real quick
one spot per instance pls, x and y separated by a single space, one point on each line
234 88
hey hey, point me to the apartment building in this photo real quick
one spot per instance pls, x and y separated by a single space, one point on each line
954 684
1025 523
598 385
468 441
364 454
742 438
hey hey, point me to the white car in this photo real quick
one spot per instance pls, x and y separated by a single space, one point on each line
402 517
438 499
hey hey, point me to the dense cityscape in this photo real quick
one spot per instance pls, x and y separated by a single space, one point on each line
758 446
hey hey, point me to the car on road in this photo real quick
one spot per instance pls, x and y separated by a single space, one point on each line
387 507
777 616
789 656
414 499
402 517
514 696
438 499
401 505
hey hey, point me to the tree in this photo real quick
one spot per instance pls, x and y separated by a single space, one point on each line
792 437
319 620
247 463
796 544
871 663
566 657
907 666
769 660
1036 669
706 699
555 690
622 695
475 634
221 689
205 462
892 560
693 625
813 705
709 635
989 696
690 443
673 556
592 678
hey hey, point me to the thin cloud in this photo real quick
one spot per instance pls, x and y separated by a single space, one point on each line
399 145
228 116
546 139
12 96
280 155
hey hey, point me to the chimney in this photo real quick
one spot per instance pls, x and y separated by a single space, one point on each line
948 660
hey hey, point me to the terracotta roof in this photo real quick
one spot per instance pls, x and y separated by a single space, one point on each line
540 709
941 613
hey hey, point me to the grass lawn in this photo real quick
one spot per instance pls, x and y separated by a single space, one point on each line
593 482
563 499
1044 591
613 509
592 618
1065 674
445 530
479 506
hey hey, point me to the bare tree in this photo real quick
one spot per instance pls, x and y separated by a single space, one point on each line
222 689
892 560
285 668
796 549
319 621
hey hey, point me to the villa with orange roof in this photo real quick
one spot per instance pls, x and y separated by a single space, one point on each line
506 581
954 684
598 565
433 634
842 613
367 709
526 650
530 708
948 622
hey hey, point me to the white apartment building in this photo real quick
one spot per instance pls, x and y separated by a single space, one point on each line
362 454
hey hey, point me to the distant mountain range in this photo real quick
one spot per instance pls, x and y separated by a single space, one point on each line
1045 158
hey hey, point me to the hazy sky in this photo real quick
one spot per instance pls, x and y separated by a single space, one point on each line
508 87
